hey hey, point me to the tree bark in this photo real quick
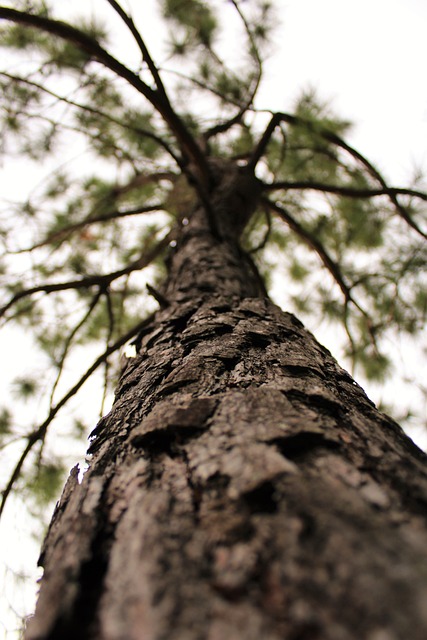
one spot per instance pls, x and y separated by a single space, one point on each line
243 486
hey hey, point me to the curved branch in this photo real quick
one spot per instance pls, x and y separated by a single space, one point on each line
90 46
351 192
312 242
335 139
330 265
267 234
222 127
40 433
111 324
141 44
85 107
202 85
318 129
96 280
261 147
250 35
69 340
84 42
351 340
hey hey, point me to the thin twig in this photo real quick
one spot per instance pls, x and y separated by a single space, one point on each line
202 85
111 325
58 236
40 433
85 107
260 148
222 127
141 44
69 340
264 241
310 240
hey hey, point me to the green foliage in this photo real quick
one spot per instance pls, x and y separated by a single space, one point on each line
34 7
196 20
376 366
25 387
298 271
6 421
45 482
57 52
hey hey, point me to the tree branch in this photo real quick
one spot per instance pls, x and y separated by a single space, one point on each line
264 241
96 280
202 85
261 147
85 107
106 217
222 127
40 433
141 44
330 265
69 340
318 129
312 242
89 45
351 192
82 41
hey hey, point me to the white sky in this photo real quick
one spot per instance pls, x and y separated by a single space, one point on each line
369 57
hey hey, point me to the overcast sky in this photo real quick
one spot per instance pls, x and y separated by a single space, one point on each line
367 56
370 58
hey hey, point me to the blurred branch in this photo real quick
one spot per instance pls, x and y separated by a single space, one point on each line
39 434
69 340
261 147
82 41
264 241
141 44
312 242
111 325
85 107
102 281
350 192
90 46
349 334
222 127
202 85
57 236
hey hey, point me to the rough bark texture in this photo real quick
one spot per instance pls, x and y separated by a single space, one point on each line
243 486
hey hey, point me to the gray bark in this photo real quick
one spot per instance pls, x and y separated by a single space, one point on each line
243 486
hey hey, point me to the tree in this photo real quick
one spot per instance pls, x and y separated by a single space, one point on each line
242 484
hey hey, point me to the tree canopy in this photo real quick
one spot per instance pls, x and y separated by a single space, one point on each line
127 140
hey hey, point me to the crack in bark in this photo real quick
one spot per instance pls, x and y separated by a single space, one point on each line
296 447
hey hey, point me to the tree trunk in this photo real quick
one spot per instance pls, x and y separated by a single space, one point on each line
243 486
